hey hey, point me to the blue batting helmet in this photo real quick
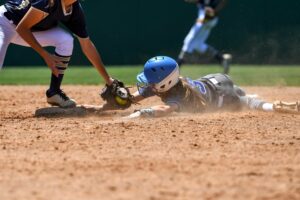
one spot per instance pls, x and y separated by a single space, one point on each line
160 71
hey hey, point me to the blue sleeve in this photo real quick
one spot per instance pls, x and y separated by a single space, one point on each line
77 23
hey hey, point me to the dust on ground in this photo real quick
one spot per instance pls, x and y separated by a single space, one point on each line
241 155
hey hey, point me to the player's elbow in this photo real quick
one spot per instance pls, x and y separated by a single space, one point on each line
20 29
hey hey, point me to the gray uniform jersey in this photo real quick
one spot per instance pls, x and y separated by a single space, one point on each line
213 91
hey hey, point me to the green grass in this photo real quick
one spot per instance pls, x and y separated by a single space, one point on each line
246 75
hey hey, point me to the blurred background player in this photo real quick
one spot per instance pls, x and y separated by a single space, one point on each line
161 77
34 23
195 41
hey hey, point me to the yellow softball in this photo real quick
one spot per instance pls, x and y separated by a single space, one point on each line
121 101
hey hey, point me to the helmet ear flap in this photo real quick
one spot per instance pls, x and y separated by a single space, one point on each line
170 81
162 71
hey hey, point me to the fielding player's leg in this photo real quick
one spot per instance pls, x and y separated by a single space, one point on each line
225 62
189 44
7 33
190 40
203 48
5 38
63 43
224 59
55 96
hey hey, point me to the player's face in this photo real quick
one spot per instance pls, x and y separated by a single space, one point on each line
153 88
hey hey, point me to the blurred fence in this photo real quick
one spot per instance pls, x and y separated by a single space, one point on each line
129 32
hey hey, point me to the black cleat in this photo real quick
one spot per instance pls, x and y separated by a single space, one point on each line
59 98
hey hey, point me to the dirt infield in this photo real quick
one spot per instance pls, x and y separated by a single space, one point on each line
242 155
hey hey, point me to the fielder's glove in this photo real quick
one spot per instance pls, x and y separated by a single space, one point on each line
116 95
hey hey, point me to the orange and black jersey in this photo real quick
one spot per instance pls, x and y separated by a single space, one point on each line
74 21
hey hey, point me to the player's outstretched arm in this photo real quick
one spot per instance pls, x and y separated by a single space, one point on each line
94 57
154 111
136 97
116 103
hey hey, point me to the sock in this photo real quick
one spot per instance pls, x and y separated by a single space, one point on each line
56 81
257 104
181 57
267 107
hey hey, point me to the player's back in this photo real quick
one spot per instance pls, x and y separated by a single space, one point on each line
190 95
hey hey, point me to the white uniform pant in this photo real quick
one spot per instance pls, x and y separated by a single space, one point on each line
55 37
196 38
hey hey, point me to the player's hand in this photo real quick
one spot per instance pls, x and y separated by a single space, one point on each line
136 114
52 62
145 112
116 95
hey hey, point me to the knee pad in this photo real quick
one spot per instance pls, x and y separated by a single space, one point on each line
64 63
